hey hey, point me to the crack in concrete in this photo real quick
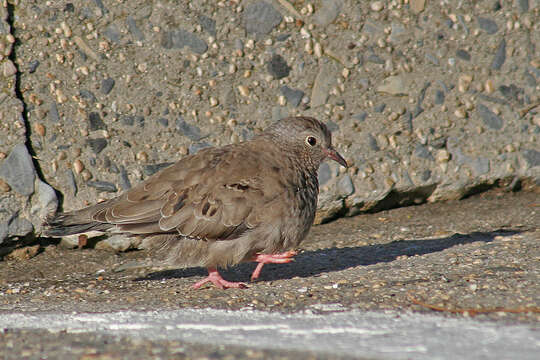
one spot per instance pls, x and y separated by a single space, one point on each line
10 19
17 88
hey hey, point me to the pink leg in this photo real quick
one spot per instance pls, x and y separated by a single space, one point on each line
262 259
215 278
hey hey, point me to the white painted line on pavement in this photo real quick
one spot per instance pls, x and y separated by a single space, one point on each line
388 335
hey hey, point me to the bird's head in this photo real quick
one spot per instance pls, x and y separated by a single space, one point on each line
307 136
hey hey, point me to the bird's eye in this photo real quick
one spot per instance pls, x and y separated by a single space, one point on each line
311 141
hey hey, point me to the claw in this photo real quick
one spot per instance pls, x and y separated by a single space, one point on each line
215 278
262 259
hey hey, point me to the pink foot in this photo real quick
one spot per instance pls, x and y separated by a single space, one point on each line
262 259
215 278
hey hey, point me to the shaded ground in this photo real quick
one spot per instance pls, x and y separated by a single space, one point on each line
477 253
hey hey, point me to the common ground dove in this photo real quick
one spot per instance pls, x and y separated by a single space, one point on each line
253 201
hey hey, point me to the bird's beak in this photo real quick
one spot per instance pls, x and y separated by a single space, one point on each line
334 155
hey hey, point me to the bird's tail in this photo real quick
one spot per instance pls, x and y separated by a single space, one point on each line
73 222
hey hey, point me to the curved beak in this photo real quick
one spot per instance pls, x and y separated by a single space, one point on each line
334 155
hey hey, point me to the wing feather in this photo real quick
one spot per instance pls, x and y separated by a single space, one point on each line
210 195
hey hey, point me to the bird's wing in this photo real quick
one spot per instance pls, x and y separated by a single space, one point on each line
210 195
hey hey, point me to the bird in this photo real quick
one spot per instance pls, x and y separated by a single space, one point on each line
253 201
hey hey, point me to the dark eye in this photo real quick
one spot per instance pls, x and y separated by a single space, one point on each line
311 141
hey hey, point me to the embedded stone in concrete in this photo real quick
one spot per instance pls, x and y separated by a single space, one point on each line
18 170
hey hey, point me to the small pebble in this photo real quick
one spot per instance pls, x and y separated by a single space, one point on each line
488 25
377 6
4 186
107 85
490 119
277 67
463 55
62 155
32 66
78 166
97 145
442 156
500 56
103 186
86 175
39 129
464 81
317 50
489 87
460 113
8 68
244 90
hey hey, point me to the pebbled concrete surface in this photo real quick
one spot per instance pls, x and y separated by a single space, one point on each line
427 101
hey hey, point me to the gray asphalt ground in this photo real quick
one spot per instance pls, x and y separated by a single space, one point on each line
377 335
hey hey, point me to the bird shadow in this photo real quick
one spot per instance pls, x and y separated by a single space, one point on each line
316 262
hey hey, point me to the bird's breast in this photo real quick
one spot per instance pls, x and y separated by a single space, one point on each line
303 198
307 198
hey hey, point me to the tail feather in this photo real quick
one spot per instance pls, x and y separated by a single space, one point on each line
74 222
59 230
